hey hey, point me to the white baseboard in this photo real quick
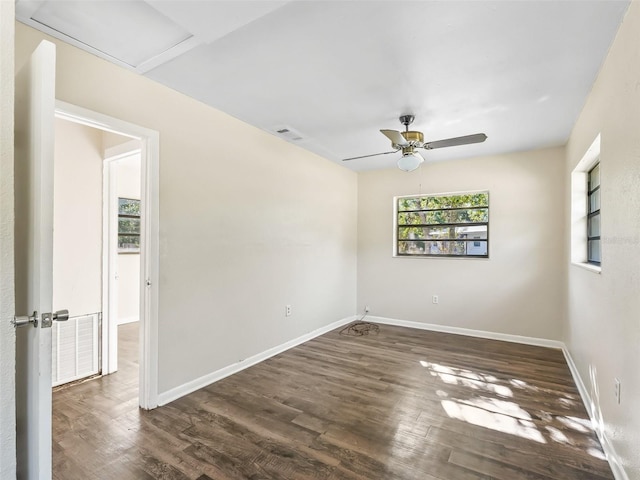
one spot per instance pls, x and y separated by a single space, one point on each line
198 383
122 321
612 457
540 342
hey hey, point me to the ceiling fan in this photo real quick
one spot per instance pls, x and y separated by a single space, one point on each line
409 140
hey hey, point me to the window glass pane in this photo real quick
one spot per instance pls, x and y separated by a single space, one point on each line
438 217
412 248
594 226
594 177
443 202
477 248
446 247
594 251
594 201
453 232
128 242
128 225
413 203
457 201
473 231
431 248
128 206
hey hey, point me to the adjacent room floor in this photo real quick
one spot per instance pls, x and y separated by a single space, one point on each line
402 404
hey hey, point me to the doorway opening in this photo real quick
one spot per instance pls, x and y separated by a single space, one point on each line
118 291
96 255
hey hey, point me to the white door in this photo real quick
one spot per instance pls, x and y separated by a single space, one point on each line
34 130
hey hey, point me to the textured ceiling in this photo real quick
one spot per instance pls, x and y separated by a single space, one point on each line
336 72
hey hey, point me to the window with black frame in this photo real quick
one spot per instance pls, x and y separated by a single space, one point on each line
443 225
128 225
593 215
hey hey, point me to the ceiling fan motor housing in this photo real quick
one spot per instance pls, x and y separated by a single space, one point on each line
416 139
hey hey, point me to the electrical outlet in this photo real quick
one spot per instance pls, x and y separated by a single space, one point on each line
366 309
434 299
287 310
617 389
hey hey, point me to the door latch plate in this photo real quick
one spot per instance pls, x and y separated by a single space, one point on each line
47 320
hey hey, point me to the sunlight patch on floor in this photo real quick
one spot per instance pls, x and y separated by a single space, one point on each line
579 424
478 415
557 435
594 452
522 385
467 378
503 414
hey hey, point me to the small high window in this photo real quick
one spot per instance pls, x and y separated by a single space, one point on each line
593 215
442 225
128 225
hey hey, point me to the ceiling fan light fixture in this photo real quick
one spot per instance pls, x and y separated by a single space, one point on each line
408 162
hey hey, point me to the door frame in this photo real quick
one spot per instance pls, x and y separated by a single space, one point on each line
149 245
110 251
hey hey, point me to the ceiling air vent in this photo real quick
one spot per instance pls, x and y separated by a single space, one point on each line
288 134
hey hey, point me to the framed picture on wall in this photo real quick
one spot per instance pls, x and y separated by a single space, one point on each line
128 225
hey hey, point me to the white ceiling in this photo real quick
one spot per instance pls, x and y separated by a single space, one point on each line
338 71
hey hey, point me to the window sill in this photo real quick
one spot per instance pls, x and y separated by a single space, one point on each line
445 257
588 266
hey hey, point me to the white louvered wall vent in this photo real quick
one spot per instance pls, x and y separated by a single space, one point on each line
75 349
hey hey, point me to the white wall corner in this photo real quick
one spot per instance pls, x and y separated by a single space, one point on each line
205 380
592 410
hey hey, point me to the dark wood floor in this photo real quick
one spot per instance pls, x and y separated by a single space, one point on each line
403 404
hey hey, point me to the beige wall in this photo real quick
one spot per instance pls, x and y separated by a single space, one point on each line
127 174
77 219
519 290
7 309
603 329
248 223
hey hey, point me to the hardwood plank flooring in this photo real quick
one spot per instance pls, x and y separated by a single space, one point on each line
402 404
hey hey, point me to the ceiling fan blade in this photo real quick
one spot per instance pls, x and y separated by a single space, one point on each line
454 142
395 137
372 155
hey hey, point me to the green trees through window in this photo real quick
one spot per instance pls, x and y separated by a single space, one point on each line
128 225
443 225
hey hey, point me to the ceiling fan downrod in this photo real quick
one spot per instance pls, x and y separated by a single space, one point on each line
407 120
414 139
